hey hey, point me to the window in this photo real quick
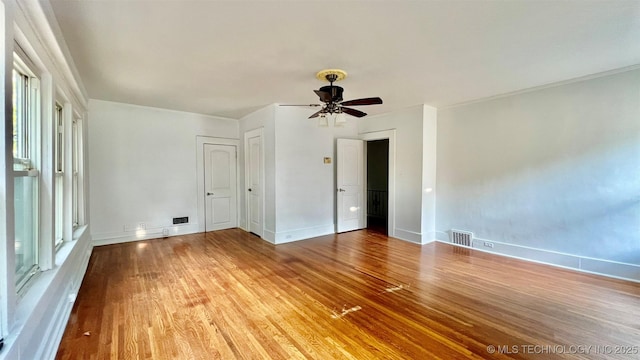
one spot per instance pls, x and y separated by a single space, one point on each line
76 158
59 176
26 147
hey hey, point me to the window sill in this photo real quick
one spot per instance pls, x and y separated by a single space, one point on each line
78 231
67 246
35 296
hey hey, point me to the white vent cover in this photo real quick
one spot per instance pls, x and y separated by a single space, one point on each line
460 237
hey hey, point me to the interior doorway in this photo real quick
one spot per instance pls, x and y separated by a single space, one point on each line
254 180
378 185
220 186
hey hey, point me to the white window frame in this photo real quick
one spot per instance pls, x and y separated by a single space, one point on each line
77 178
74 174
59 165
27 163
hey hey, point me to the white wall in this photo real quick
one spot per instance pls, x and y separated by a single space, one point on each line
408 124
299 187
305 187
429 146
556 169
142 164
263 118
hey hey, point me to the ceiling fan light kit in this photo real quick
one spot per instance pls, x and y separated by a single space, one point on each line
340 120
323 121
331 96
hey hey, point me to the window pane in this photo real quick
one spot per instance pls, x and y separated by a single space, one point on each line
59 180
26 149
26 197
20 118
59 138
75 214
16 94
74 145
59 208
75 164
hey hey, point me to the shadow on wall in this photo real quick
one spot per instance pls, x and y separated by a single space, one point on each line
555 169
588 206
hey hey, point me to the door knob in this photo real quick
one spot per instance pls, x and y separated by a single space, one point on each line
250 189
209 193
341 190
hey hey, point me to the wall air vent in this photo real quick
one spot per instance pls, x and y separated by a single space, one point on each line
459 237
180 220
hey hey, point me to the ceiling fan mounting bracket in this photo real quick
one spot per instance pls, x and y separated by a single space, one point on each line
331 75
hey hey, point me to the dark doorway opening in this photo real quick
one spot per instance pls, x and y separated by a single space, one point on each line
378 185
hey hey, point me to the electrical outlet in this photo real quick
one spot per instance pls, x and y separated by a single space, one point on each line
488 244
165 232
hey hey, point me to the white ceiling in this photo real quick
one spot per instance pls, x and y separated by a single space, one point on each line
228 58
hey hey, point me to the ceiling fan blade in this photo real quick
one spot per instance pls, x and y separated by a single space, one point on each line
312 105
316 114
364 101
323 95
353 112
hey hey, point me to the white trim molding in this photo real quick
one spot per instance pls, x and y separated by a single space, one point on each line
43 312
269 236
200 141
151 232
608 268
408 235
287 236
391 135
246 136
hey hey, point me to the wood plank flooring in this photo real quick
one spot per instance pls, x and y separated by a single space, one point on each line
359 295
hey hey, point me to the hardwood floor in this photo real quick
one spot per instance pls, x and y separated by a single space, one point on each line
359 295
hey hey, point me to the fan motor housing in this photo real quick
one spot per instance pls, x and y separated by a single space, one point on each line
335 91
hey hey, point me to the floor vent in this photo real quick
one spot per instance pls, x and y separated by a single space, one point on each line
460 237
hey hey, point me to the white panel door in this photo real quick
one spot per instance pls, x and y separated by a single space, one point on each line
350 182
255 193
220 187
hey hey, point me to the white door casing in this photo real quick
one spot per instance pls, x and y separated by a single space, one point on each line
254 175
220 187
391 136
350 185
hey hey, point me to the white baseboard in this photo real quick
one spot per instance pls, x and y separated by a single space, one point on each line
64 309
428 237
407 235
56 328
283 237
613 269
268 235
129 236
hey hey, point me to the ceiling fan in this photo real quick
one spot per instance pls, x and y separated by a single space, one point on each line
331 96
